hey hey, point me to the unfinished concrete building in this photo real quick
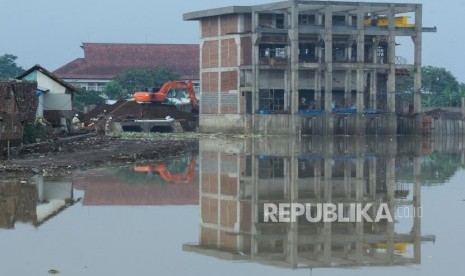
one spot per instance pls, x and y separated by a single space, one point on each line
307 67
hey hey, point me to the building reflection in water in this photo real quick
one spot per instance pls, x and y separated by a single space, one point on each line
238 176
34 201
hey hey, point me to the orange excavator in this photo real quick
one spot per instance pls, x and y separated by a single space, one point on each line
162 170
175 93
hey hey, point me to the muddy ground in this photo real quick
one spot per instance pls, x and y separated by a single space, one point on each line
61 157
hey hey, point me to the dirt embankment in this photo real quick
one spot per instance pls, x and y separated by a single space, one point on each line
61 157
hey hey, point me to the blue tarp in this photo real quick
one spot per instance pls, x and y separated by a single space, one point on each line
311 112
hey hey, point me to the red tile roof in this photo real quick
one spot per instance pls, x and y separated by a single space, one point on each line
105 60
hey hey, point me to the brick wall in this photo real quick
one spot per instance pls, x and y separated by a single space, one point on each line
210 54
209 27
246 51
229 81
209 210
228 53
220 89
210 82
228 213
229 24
208 237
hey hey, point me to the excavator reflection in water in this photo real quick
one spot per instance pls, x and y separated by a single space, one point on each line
186 177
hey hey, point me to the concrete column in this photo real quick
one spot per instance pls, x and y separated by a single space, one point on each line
359 250
328 172
347 180
391 60
374 50
329 69
359 187
328 37
328 168
348 20
348 88
417 60
349 51
287 87
201 67
373 90
417 208
255 207
360 59
372 177
218 201
390 188
293 234
294 48
255 64
220 93
317 180
328 196
318 89
390 177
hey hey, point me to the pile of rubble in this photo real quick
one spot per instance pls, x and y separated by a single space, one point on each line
127 110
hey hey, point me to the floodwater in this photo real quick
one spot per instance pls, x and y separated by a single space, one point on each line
203 214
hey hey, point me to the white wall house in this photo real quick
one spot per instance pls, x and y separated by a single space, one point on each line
55 95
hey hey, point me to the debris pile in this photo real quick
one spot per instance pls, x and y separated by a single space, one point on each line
127 110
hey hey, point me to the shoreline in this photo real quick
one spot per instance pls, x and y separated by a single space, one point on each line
60 158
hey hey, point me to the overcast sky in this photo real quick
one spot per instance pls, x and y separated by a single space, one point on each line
49 32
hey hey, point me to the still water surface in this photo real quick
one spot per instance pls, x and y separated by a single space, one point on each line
202 214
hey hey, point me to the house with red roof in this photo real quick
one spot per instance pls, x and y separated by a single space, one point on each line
103 61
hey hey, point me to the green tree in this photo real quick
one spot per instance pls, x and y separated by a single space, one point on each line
83 98
113 90
8 67
436 80
438 85
137 79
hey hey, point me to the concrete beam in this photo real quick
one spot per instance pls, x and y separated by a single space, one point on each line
197 15
273 6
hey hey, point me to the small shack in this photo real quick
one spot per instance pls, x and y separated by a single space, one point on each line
55 96
18 104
